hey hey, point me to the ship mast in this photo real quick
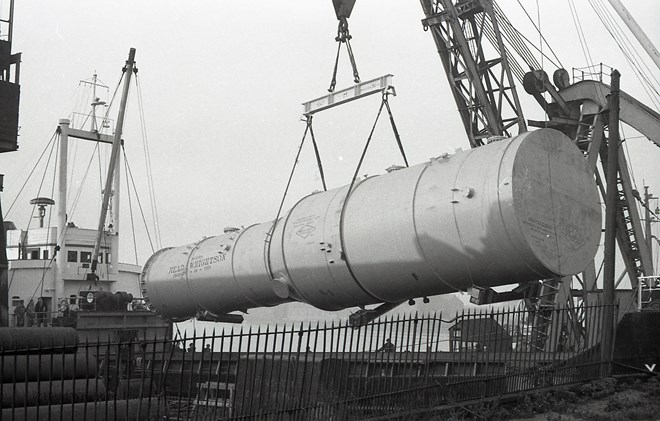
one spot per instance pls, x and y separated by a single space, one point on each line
112 168
96 101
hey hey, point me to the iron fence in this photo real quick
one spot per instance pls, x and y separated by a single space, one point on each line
306 371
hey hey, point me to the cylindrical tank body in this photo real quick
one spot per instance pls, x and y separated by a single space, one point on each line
511 211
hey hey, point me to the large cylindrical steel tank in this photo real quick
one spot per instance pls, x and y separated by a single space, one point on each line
512 211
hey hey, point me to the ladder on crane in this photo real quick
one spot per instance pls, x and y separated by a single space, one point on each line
591 133
541 312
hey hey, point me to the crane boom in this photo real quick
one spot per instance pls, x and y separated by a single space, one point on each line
483 88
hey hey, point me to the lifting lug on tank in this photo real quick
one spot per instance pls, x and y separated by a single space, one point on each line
363 316
207 316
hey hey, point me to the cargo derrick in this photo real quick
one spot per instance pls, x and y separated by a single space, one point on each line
509 212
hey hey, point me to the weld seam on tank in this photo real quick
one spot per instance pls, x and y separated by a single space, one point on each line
464 253
187 273
268 241
233 266
421 248
414 216
290 282
523 249
500 168
326 217
143 275
349 193
522 254
554 216
519 140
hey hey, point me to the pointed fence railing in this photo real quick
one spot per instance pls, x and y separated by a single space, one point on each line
313 370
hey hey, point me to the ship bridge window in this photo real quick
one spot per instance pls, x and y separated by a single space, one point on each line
45 254
34 255
71 256
86 257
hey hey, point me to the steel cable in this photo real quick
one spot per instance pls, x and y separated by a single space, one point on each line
316 152
34 167
137 197
147 157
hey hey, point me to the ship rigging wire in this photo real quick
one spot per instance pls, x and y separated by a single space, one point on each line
130 207
147 158
40 286
130 212
27 179
71 211
129 174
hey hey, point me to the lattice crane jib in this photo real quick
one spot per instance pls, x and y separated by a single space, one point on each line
480 79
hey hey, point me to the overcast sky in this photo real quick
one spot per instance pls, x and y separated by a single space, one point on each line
222 83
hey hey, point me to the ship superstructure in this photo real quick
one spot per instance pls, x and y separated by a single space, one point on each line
52 265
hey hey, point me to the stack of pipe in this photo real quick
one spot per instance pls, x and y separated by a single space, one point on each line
45 374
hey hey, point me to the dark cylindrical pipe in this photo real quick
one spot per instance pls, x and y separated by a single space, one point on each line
22 368
37 339
53 392
129 410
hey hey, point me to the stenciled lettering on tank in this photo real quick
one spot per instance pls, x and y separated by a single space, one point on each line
304 226
541 233
199 263
176 270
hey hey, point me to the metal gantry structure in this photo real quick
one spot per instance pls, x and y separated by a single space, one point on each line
592 131
483 86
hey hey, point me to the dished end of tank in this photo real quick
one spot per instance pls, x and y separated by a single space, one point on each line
150 292
556 201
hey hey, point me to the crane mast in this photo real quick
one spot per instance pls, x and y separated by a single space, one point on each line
482 85
488 103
